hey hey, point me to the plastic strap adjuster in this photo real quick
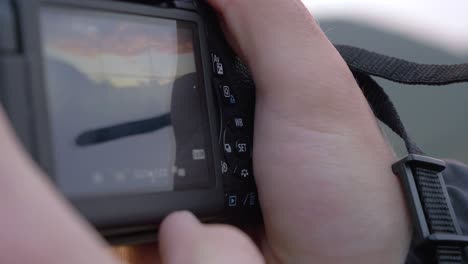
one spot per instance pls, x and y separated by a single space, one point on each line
424 237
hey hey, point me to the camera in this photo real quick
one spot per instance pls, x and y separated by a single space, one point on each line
134 109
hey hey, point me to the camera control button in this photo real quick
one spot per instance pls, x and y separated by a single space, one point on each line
227 95
218 67
243 172
224 168
243 148
232 200
236 123
228 148
228 145
250 200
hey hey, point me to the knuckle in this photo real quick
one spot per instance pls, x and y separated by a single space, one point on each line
229 6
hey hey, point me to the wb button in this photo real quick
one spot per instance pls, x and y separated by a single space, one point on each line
236 123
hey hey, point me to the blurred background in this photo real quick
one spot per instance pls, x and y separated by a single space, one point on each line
424 31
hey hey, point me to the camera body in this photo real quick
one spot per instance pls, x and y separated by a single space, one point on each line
134 110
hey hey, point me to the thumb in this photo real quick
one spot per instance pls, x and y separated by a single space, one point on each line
271 33
183 239
298 73
318 152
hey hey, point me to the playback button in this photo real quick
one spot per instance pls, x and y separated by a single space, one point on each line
239 200
233 200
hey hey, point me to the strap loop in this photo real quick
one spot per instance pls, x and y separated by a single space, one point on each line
436 227
434 220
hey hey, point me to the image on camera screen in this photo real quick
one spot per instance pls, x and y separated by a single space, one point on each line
124 103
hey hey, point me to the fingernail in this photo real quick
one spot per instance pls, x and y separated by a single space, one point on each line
185 217
181 220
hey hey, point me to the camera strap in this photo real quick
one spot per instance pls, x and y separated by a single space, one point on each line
438 235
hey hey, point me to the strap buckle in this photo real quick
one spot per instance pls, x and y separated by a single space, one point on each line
424 236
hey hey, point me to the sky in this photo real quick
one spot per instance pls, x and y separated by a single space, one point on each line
125 50
440 23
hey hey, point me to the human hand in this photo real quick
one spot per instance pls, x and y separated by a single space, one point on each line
322 166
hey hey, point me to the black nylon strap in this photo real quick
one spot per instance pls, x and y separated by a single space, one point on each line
429 186
433 199
432 195
402 71
437 213
384 109
449 255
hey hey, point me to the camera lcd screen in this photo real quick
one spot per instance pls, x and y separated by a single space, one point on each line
124 103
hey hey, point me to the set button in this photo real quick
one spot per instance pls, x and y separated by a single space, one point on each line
243 148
